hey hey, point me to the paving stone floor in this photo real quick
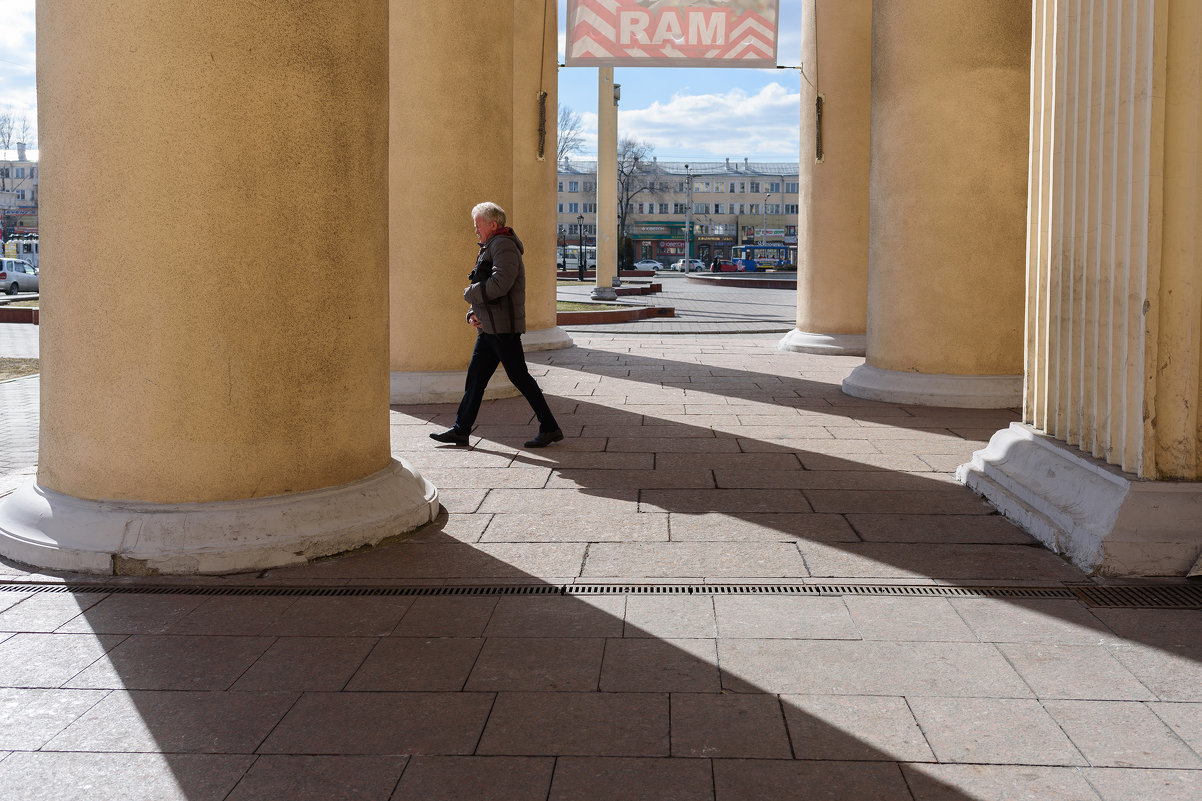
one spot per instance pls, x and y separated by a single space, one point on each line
696 460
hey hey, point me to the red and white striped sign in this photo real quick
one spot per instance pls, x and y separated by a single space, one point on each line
672 33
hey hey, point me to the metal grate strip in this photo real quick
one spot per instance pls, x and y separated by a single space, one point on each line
1160 596
1166 596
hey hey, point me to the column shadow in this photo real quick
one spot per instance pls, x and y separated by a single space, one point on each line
533 693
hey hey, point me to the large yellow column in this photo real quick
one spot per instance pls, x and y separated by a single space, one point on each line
1105 466
214 330
832 270
948 194
465 83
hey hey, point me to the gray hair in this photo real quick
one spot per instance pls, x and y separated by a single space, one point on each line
489 211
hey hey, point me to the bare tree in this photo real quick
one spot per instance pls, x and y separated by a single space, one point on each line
635 177
14 128
571 139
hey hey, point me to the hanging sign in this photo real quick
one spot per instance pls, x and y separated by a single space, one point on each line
672 33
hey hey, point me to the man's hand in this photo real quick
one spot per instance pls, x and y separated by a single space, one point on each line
473 320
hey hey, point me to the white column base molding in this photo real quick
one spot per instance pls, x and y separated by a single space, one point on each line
45 528
824 344
443 386
935 389
546 339
603 293
1103 520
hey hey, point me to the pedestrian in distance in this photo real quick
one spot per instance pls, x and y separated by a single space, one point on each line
497 297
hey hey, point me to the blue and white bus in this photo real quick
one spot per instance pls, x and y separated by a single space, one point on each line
751 258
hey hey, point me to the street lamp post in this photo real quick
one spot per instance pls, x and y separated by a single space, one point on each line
580 252
688 217
764 230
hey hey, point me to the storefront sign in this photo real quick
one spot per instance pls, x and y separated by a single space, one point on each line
652 33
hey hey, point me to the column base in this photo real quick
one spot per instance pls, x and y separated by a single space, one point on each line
604 293
546 339
935 389
824 344
1103 520
442 386
50 530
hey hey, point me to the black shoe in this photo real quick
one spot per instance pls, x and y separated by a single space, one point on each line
545 438
451 437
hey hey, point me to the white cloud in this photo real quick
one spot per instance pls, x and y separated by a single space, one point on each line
763 126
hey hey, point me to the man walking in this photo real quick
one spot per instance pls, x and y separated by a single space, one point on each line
497 294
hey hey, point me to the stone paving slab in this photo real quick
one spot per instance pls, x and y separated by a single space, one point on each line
688 460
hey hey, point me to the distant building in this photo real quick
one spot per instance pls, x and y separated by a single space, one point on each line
18 191
733 203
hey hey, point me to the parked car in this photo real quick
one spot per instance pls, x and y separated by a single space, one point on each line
648 264
725 266
18 276
688 266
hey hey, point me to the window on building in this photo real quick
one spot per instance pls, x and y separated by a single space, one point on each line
573 186
791 230
20 194
663 208
742 209
732 187
742 187
20 172
561 208
589 208
678 208
754 208
791 208
561 186
774 186
573 208
792 187
719 208
590 186
754 186
773 208
701 208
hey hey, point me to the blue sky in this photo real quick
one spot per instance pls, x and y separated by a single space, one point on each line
684 114
700 114
17 90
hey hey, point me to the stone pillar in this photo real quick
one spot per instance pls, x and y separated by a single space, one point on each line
1105 466
535 173
214 335
607 186
832 272
464 129
948 195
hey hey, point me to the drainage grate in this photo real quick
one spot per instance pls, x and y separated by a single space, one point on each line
1165 596
1170 596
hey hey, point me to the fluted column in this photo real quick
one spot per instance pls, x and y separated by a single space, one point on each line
832 273
1113 342
948 195
214 334
464 129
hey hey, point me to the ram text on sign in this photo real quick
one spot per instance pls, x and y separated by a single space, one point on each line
672 33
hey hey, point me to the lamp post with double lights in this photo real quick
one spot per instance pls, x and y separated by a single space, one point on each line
688 218
764 230
580 252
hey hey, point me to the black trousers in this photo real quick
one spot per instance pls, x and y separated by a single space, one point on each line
506 350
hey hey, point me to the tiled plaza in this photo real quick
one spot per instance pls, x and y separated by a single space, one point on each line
714 462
